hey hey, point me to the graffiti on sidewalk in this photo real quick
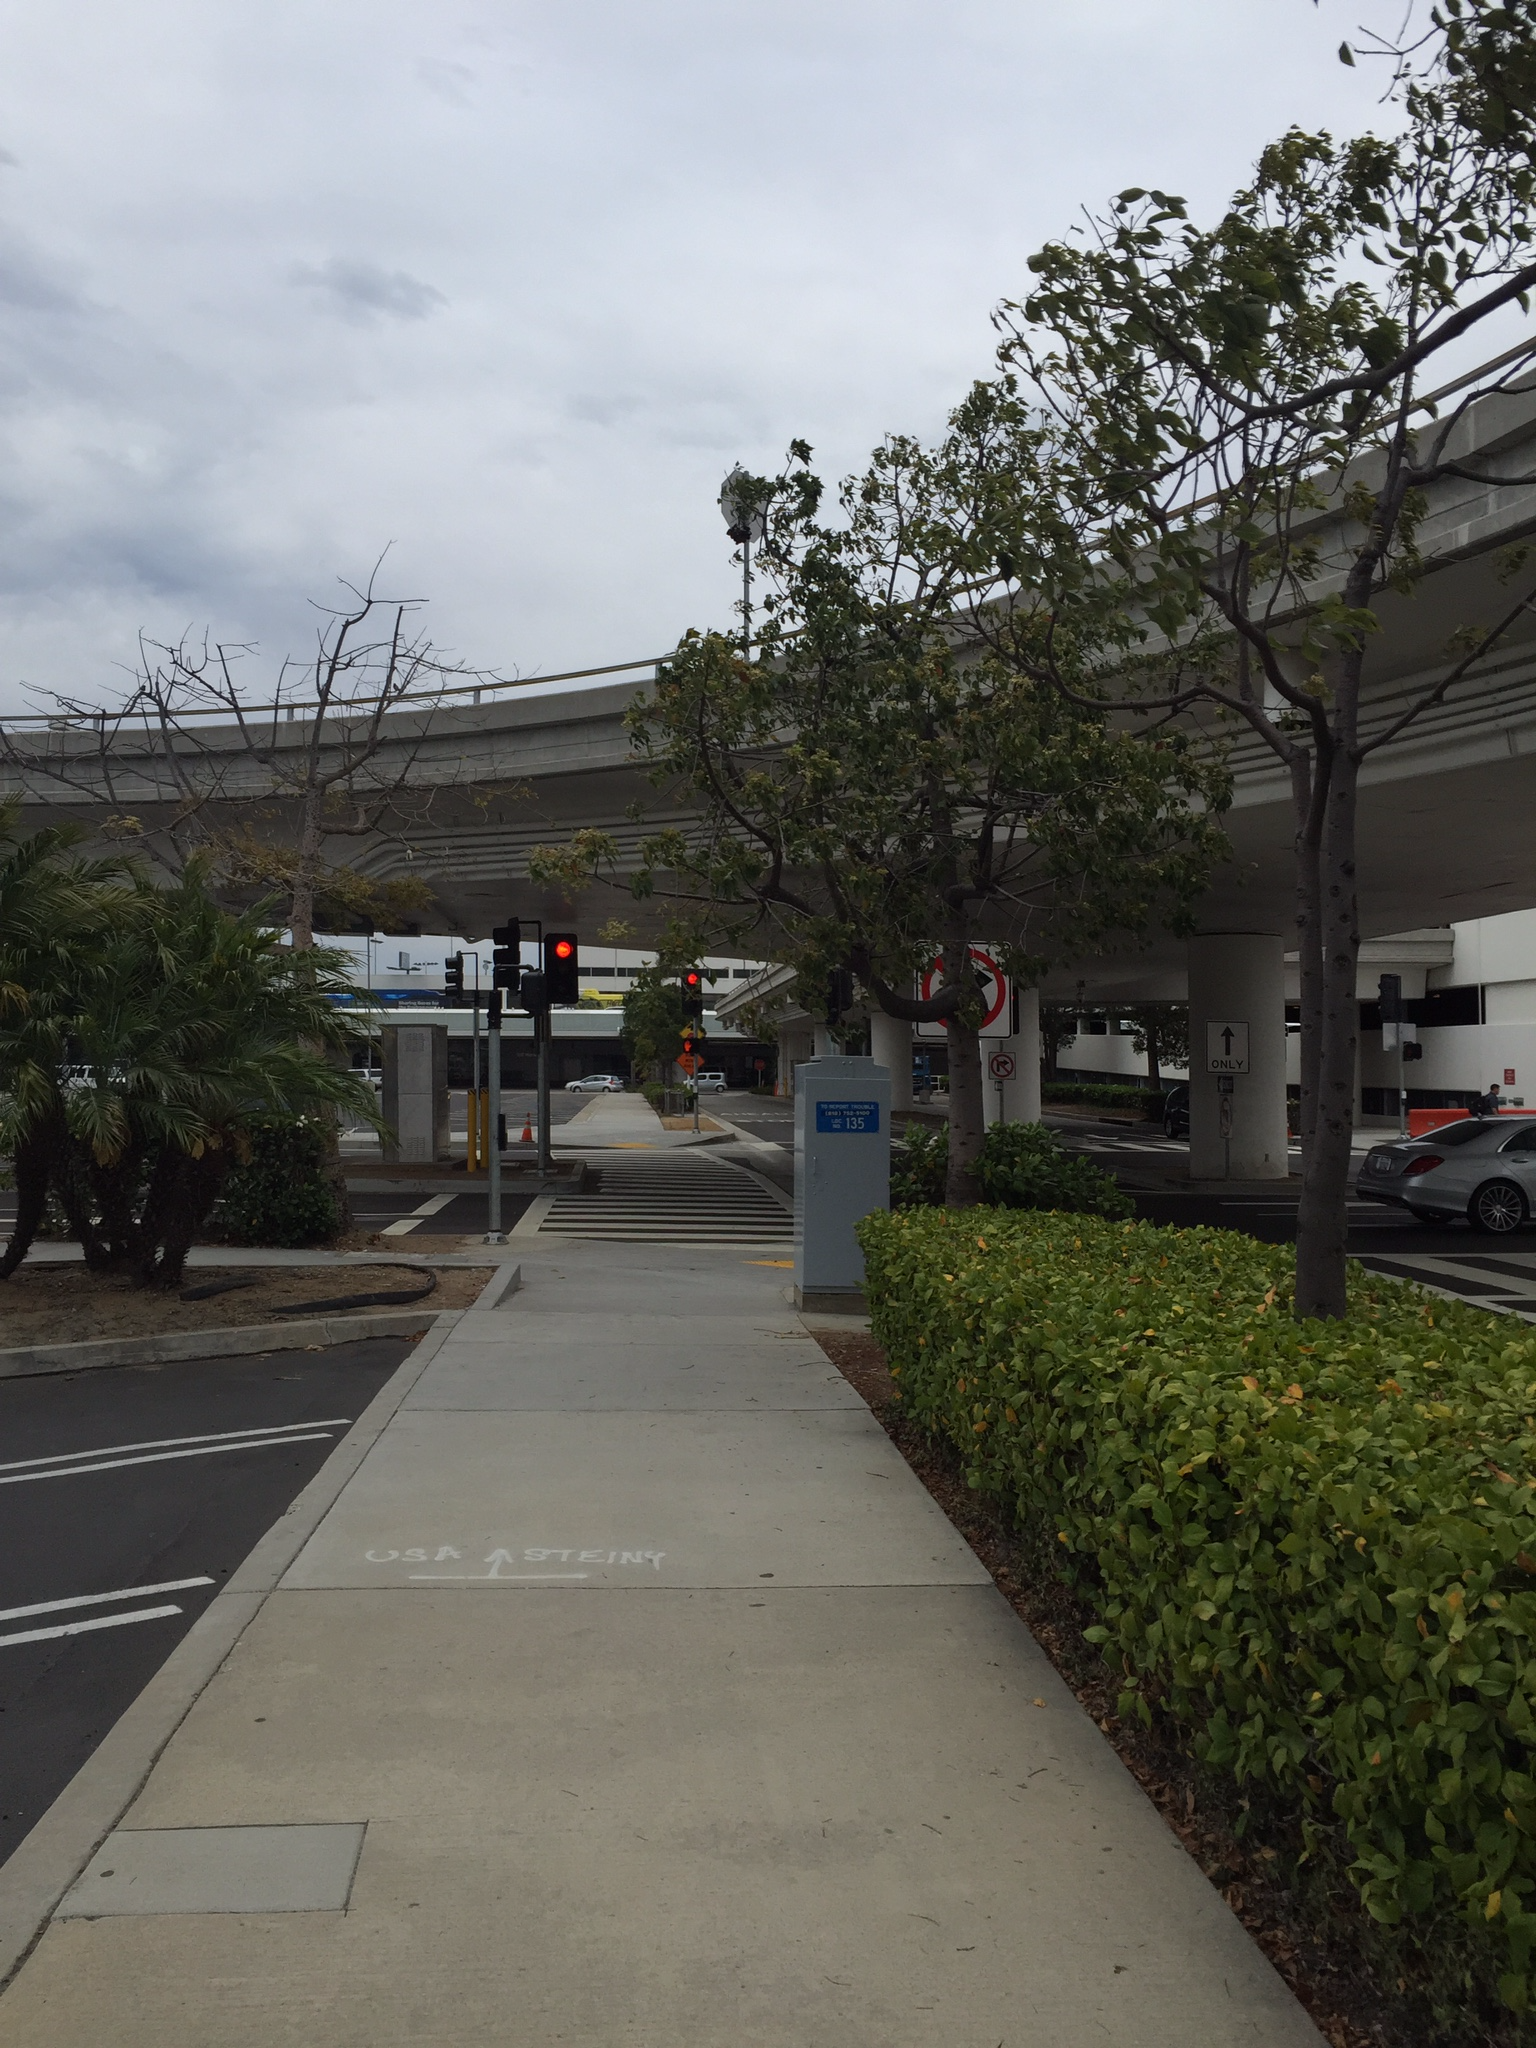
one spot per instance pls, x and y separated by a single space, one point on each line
500 1562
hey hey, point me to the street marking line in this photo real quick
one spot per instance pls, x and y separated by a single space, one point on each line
430 1207
528 1223
163 1443
101 1599
268 1443
82 1628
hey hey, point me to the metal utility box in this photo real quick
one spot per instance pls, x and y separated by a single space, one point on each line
416 1092
842 1172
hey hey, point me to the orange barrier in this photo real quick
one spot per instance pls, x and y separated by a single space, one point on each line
1421 1121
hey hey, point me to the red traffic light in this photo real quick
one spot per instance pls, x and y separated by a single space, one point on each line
692 978
563 949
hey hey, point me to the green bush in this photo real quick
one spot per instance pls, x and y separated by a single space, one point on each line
1314 1543
1022 1167
1104 1095
282 1193
918 1167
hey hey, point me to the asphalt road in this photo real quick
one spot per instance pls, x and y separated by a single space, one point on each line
127 1498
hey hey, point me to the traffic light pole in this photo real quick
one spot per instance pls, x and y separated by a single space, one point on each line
477 1136
541 1025
493 1230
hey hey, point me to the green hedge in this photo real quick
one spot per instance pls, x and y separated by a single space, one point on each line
1105 1095
1022 1167
1313 1542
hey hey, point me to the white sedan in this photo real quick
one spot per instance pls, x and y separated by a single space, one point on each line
596 1084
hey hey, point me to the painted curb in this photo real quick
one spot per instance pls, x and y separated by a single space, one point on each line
49 1859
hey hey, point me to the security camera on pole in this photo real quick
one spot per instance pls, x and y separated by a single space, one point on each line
746 520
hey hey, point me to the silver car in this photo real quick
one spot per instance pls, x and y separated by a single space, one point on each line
596 1084
1483 1168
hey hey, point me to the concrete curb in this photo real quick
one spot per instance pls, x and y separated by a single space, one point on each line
233 1342
52 1856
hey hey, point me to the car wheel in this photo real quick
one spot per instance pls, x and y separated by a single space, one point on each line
1497 1208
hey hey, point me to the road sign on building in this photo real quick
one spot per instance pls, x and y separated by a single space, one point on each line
1226 1048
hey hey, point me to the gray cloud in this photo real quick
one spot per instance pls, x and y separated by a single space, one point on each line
361 291
451 82
670 237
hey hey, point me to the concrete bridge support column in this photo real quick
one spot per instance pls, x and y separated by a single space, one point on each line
890 1044
1021 1094
1238 978
1016 1099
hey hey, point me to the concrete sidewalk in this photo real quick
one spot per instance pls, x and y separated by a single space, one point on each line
667 1710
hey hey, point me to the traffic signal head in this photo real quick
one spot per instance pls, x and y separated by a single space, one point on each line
532 996
1390 994
839 993
506 953
561 971
453 975
691 981
1412 1050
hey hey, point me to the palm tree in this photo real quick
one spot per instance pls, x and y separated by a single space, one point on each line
54 910
154 1036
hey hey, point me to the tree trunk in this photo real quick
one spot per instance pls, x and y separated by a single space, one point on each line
301 908
1326 879
34 1157
1309 936
967 1123
301 921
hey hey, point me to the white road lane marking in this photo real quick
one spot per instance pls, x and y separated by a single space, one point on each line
266 1443
101 1599
81 1628
428 1208
165 1443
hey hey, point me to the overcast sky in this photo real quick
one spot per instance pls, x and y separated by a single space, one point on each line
509 287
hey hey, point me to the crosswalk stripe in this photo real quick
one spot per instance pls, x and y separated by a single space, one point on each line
689 1203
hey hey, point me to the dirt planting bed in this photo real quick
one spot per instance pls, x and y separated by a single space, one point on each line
64 1304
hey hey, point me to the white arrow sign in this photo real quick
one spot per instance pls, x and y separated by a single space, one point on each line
1226 1048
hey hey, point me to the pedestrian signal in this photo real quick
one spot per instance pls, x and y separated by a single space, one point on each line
453 975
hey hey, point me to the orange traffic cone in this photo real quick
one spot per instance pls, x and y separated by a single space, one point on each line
527 1137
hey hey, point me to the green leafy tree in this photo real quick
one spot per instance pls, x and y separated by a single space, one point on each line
1160 1034
652 1032
877 791
1239 414
55 910
160 1031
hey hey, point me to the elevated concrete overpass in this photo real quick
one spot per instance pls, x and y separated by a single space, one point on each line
1447 814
